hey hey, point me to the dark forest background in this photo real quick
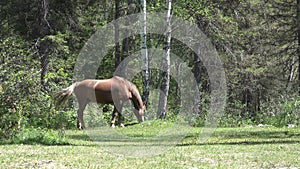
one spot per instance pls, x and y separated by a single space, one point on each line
258 42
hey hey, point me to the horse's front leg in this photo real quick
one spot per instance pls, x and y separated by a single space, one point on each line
116 112
120 120
113 118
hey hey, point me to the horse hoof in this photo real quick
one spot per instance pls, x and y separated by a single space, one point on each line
122 125
112 126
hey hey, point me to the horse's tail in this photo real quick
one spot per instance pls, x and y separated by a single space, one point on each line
63 95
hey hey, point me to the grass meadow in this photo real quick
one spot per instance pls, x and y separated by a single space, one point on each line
243 147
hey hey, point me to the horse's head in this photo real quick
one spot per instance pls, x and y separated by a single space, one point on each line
140 113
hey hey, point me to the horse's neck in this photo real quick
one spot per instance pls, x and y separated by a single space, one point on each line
136 98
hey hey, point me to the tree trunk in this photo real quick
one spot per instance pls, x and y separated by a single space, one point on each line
118 58
163 98
198 76
298 50
44 46
290 76
44 52
144 54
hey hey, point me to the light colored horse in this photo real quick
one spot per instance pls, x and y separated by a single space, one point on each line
115 90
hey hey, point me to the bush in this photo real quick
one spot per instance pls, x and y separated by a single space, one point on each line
289 113
24 102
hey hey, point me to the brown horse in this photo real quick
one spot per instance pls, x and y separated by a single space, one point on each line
115 90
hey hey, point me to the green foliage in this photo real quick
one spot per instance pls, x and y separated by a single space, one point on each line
257 41
280 115
96 117
15 79
290 113
23 103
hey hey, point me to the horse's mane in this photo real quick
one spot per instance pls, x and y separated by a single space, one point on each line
136 97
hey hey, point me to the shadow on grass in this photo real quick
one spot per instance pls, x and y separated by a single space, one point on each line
230 136
35 141
261 142
79 135
223 137
247 137
44 137
195 142
260 134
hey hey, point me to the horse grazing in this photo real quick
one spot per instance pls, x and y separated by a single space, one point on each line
115 90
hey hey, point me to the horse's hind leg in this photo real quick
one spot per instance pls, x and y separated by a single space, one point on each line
80 123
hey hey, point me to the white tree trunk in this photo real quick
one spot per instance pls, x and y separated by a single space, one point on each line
298 51
118 58
144 54
163 98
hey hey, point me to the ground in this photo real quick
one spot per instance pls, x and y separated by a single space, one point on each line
244 147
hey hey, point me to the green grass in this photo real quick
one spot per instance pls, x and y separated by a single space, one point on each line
248 147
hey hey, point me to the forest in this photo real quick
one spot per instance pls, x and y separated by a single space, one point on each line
258 42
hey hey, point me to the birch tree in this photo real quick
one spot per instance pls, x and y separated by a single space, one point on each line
163 98
298 50
144 54
117 33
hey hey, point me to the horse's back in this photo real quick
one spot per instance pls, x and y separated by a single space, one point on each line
103 91
94 91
